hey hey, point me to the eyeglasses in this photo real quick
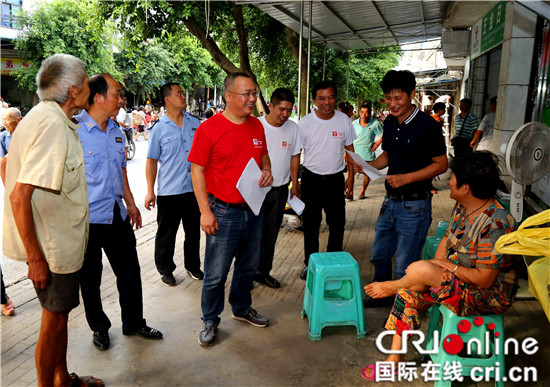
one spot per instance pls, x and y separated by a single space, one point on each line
252 93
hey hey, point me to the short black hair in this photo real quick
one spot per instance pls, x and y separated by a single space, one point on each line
398 80
478 169
98 85
230 79
438 107
166 90
281 94
467 101
209 113
321 86
343 106
366 106
493 101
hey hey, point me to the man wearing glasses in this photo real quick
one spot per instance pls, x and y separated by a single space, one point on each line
222 147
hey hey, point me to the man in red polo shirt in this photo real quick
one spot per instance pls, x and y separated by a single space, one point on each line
222 147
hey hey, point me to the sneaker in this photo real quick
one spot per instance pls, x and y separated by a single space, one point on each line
168 280
208 334
196 274
252 317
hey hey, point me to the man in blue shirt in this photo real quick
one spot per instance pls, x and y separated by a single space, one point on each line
169 145
367 129
110 222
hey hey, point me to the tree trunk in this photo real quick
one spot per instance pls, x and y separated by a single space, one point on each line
293 40
221 59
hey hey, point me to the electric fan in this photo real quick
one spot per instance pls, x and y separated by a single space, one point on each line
527 161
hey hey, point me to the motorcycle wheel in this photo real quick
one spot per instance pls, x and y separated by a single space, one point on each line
130 150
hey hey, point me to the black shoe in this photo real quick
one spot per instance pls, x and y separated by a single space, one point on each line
196 274
208 334
145 332
252 317
378 302
303 273
101 340
168 280
267 280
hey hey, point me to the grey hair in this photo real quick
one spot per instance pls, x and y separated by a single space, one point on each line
12 112
57 74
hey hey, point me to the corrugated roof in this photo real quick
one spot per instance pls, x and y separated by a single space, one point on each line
360 25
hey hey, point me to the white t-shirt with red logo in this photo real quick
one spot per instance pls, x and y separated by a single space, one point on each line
283 142
323 142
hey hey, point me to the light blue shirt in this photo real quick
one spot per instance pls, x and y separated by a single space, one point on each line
171 145
366 137
104 158
5 139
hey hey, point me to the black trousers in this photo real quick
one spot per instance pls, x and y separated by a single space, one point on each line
273 208
171 210
323 192
118 242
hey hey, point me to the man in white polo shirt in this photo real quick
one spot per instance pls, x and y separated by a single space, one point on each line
283 145
325 134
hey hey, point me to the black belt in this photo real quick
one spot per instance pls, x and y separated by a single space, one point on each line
242 206
409 196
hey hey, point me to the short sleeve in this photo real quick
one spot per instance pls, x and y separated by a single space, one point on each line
350 135
435 141
487 257
297 143
483 126
202 146
153 150
378 130
44 163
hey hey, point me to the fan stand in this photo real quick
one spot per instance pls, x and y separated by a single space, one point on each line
516 200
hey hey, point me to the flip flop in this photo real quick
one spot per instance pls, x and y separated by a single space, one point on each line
8 309
373 373
90 381
361 197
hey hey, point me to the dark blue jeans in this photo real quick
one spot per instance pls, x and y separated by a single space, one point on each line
401 228
238 237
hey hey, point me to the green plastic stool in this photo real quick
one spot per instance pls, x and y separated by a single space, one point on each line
441 228
430 247
333 293
474 327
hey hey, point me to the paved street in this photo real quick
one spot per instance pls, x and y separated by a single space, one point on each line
243 355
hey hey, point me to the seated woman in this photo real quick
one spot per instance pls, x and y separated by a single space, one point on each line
467 275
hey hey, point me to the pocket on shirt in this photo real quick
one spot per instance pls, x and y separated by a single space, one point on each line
91 161
72 177
170 145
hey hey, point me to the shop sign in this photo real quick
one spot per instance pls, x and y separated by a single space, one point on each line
11 64
488 32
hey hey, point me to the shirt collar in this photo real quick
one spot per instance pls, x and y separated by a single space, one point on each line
85 121
56 106
411 117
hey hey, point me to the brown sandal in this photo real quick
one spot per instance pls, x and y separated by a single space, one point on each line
89 380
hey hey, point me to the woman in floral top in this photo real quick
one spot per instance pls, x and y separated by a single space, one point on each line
467 275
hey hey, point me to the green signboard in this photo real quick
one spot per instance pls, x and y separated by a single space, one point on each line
492 31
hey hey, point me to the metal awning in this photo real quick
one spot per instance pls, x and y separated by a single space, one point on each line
362 25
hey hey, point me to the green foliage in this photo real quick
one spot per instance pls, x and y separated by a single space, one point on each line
145 69
68 27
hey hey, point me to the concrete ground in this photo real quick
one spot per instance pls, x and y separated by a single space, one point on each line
279 355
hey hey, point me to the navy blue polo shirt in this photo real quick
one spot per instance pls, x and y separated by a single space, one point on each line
411 146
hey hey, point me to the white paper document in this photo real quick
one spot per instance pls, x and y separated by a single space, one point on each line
296 204
248 187
371 172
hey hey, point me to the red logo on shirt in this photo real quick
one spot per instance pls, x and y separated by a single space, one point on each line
336 134
257 143
286 145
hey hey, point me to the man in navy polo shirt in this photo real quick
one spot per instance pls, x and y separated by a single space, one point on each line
169 146
110 222
415 152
